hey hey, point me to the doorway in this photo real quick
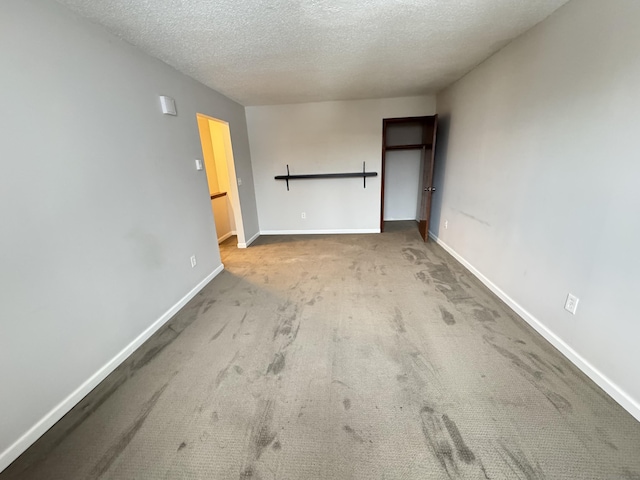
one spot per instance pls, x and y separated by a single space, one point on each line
219 166
408 146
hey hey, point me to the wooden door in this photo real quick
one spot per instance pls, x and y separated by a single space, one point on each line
384 161
428 158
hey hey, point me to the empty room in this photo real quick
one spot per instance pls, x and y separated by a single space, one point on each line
392 239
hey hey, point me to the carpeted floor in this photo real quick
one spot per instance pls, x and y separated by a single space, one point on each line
342 357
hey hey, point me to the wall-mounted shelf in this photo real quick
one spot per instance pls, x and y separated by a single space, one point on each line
364 174
417 146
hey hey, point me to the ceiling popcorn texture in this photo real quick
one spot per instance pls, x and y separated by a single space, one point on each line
262 52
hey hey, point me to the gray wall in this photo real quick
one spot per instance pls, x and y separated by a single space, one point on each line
402 184
537 175
324 137
100 203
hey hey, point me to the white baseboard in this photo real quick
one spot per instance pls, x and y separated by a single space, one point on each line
618 394
225 236
400 219
35 432
320 232
249 242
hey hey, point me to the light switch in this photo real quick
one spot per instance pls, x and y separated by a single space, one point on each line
198 164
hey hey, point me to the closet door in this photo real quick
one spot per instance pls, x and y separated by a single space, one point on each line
429 142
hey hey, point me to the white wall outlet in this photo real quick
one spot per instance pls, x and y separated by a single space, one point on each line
199 164
193 261
239 181
304 215
446 224
571 304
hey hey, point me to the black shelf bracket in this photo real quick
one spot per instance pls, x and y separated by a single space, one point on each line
364 174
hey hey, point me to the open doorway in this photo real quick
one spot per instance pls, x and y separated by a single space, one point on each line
408 146
217 153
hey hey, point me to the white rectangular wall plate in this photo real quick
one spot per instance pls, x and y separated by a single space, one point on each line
198 164
168 105
571 304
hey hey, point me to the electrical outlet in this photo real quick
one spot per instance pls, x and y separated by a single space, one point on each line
198 164
446 224
304 215
193 261
239 181
571 304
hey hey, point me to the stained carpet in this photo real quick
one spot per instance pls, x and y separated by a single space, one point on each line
342 357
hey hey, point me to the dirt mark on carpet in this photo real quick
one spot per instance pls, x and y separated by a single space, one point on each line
483 315
423 276
222 374
219 332
534 376
398 322
262 435
353 434
414 255
448 446
125 438
447 317
277 363
519 464
288 323
208 306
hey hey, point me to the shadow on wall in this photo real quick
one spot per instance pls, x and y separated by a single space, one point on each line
440 167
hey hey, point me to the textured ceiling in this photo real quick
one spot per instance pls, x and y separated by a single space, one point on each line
288 51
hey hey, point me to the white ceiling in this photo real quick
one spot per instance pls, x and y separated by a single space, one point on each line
289 51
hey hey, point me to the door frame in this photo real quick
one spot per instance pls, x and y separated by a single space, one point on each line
234 196
423 160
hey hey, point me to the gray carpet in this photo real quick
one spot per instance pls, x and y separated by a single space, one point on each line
342 357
